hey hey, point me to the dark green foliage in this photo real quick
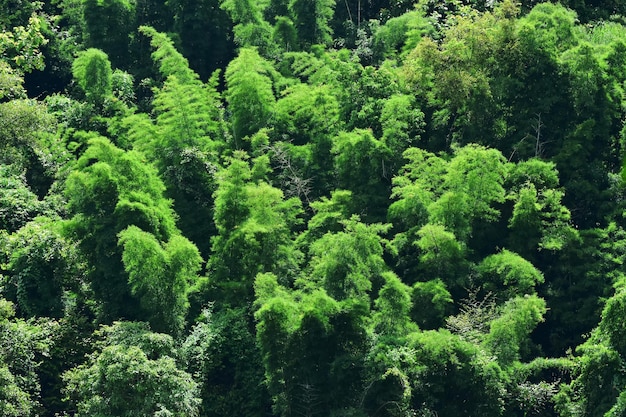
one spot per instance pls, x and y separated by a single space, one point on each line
109 26
205 33
22 346
18 204
222 354
312 20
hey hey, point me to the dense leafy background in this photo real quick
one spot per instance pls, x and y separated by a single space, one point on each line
312 208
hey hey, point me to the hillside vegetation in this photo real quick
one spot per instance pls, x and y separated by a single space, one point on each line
282 208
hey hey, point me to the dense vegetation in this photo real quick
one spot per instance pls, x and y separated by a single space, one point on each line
312 208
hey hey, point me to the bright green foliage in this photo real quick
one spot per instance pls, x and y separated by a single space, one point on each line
23 44
328 217
347 263
441 255
599 379
552 25
92 70
455 378
22 122
109 191
160 274
171 62
360 90
597 384
254 224
473 183
315 364
401 33
496 128
612 323
424 169
125 379
184 139
13 401
306 114
418 185
392 307
249 93
250 29
507 274
458 195
401 124
507 334
539 220
308 117
455 79
10 82
42 266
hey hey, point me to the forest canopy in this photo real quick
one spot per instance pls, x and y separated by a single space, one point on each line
290 208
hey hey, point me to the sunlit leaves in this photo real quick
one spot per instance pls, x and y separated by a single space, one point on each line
249 93
92 70
507 333
509 274
160 275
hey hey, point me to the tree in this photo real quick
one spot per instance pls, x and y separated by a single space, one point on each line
600 381
18 204
124 378
312 21
349 263
441 256
316 363
392 307
456 378
509 332
42 268
249 94
213 50
122 219
254 224
160 275
507 274
109 26
402 125
92 70
184 138
360 166
222 354
432 302
22 347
